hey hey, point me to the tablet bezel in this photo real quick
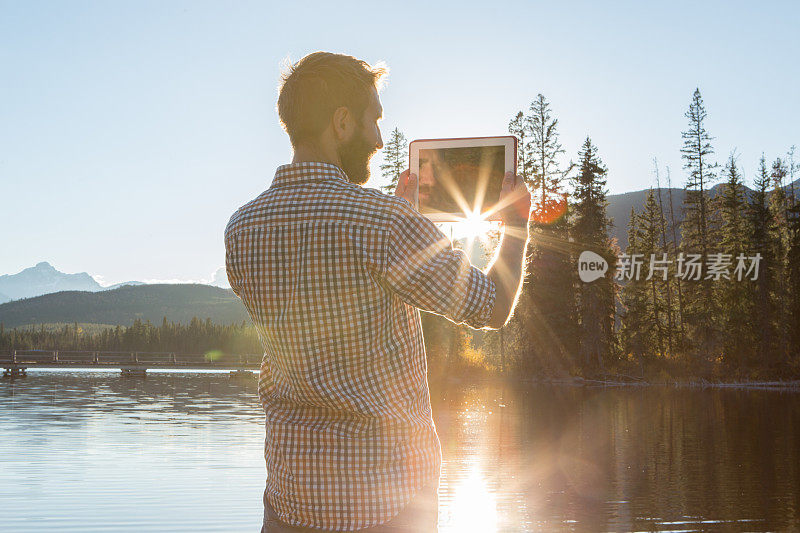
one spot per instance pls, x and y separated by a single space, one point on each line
508 142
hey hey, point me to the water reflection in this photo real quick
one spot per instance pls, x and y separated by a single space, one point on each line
91 451
96 452
651 459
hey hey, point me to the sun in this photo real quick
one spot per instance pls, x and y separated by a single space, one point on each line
472 226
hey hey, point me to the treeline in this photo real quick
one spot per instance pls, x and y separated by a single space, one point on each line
708 287
203 336
743 322
199 336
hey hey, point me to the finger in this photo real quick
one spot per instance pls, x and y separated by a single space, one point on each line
413 189
402 183
522 187
411 183
508 182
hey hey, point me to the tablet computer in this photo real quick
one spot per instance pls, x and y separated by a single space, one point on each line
461 178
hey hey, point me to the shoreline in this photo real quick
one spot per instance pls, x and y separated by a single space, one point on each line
627 381
792 385
613 380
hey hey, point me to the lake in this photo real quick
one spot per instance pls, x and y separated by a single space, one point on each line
86 451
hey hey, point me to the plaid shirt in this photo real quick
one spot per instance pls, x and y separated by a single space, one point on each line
333 275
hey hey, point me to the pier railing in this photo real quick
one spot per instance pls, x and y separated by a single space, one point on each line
16 362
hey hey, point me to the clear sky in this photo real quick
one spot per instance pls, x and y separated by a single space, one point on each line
130 131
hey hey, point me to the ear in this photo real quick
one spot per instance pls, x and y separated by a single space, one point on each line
344 124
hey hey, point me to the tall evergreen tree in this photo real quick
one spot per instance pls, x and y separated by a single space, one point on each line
673 247
546 312
395 160
646 292
520 126
793 262
697 227
793 274
547 176
635 328
792 169
733 295
595 301
696 153
760 226
779 212
667 246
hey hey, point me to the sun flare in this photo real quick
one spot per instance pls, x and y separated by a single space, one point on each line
473 507
472 227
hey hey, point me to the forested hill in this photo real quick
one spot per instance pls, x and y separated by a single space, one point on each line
619 206
178 303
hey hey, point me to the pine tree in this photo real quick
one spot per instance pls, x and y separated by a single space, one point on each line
697 228
760 229
793 273
635 332
673 248
697 152
547 178
793 264
733 295
395 160
779 212
519 126
546 313
649 245
595 301
666 246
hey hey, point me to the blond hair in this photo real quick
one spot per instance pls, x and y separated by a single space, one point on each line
321 82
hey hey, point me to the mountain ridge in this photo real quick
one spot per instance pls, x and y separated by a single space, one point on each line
618 208
43 278
175 302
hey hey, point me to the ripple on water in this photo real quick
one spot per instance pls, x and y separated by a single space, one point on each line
184 452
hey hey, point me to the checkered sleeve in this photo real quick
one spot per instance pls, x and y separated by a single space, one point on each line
231 266
425 271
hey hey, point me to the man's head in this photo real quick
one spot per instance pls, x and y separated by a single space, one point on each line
329 102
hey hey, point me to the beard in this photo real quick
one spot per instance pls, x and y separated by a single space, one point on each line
354 156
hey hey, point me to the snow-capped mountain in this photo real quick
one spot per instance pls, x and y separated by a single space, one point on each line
44 279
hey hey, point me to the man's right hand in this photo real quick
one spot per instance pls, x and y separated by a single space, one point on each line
515 201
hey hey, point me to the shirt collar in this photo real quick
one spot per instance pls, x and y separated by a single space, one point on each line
307 172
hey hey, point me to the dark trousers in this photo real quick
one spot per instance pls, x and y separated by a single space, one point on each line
421 515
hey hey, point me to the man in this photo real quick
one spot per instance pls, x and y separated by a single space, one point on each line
333 275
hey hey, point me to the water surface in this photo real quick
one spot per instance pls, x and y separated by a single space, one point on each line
91 451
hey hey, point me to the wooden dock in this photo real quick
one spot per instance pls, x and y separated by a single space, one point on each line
16 363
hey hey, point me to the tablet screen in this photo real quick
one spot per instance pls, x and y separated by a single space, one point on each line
460 180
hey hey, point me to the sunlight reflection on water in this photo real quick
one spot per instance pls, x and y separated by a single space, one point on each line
90 451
